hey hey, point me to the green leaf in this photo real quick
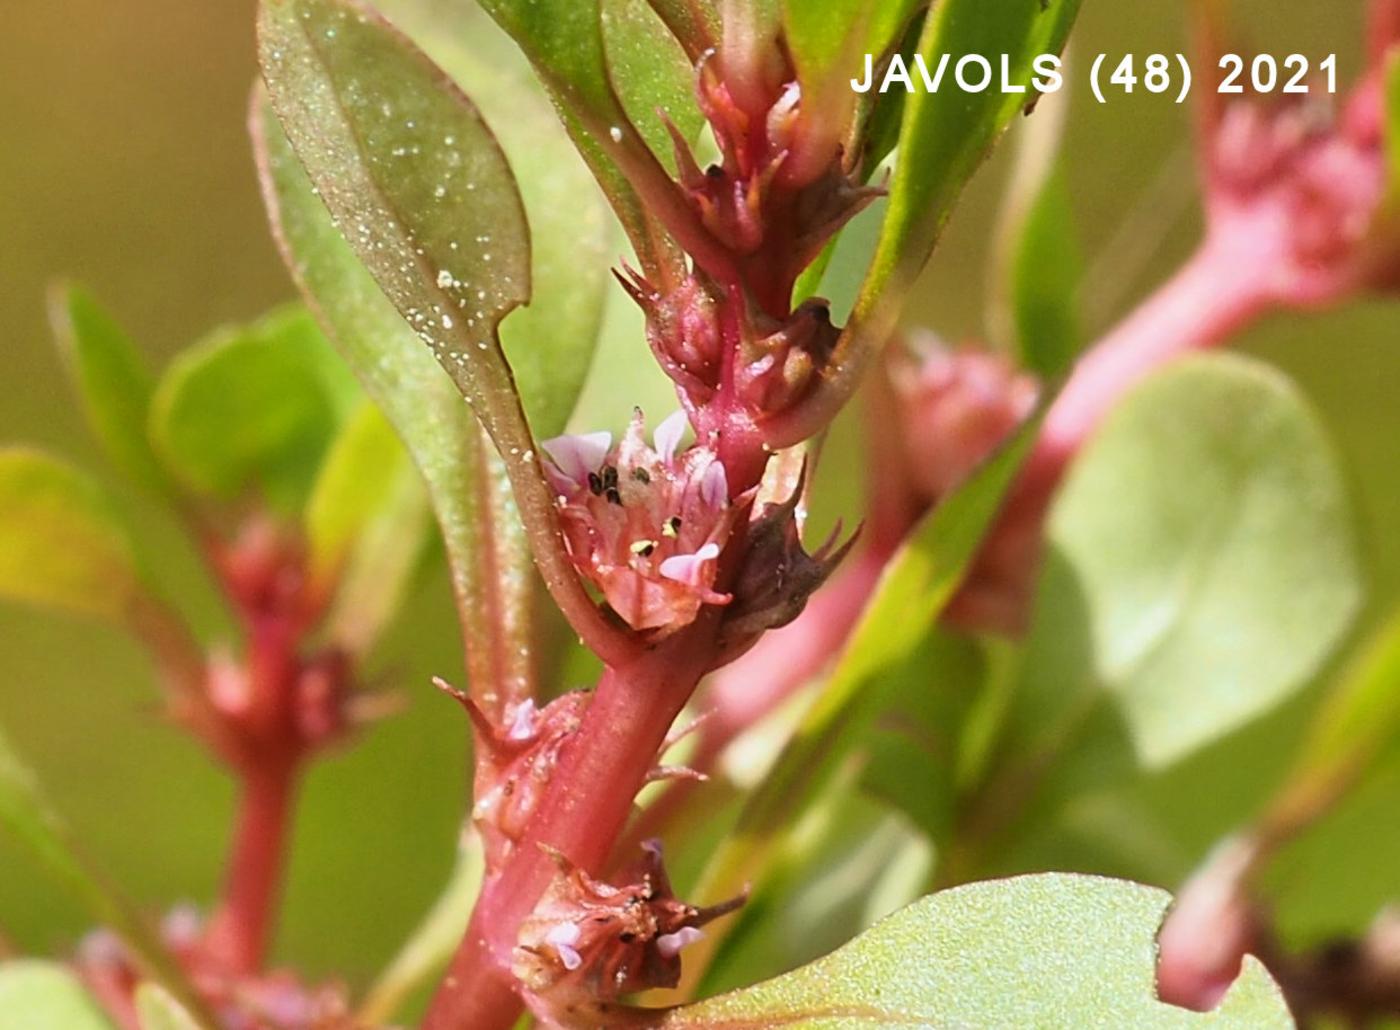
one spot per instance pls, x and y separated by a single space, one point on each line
946 134
417 397
36 995
418 186
1044 274
26 815
565 41
1035 307
830 39
354 484
1037 951
245 414
651 74
550 342
915 587
694 22
413 178
62 542
885 111
111 380
1209 528
157 1010
1356 724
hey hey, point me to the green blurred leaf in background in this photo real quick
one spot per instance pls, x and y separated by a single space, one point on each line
37 995
1210 531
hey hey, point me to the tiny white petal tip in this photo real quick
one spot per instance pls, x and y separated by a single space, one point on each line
562 939
667 438
689 568
521 719
670 944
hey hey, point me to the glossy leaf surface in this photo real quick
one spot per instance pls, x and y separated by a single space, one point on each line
415 394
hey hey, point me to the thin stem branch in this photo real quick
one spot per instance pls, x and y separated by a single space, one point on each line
241 929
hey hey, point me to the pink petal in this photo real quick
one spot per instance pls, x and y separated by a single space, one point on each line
670 944
521 720
576 456
668 435
562 939
689 568
714 486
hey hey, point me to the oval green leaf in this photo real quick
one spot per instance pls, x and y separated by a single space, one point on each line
549 342
1053 950
112 382
1209 529
245 414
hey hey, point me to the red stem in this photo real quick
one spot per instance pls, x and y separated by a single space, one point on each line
589 801
242 927
760 681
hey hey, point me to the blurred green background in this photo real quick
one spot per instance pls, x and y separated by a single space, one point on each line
125 165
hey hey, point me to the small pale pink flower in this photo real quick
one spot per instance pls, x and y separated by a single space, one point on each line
646 524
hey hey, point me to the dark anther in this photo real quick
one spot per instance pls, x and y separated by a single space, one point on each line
714 173
610 477
641 475
613 496
595 483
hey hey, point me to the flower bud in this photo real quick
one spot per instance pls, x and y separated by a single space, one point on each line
1209 930
684 334
778 575
515 764
955 407
776 368
591 940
